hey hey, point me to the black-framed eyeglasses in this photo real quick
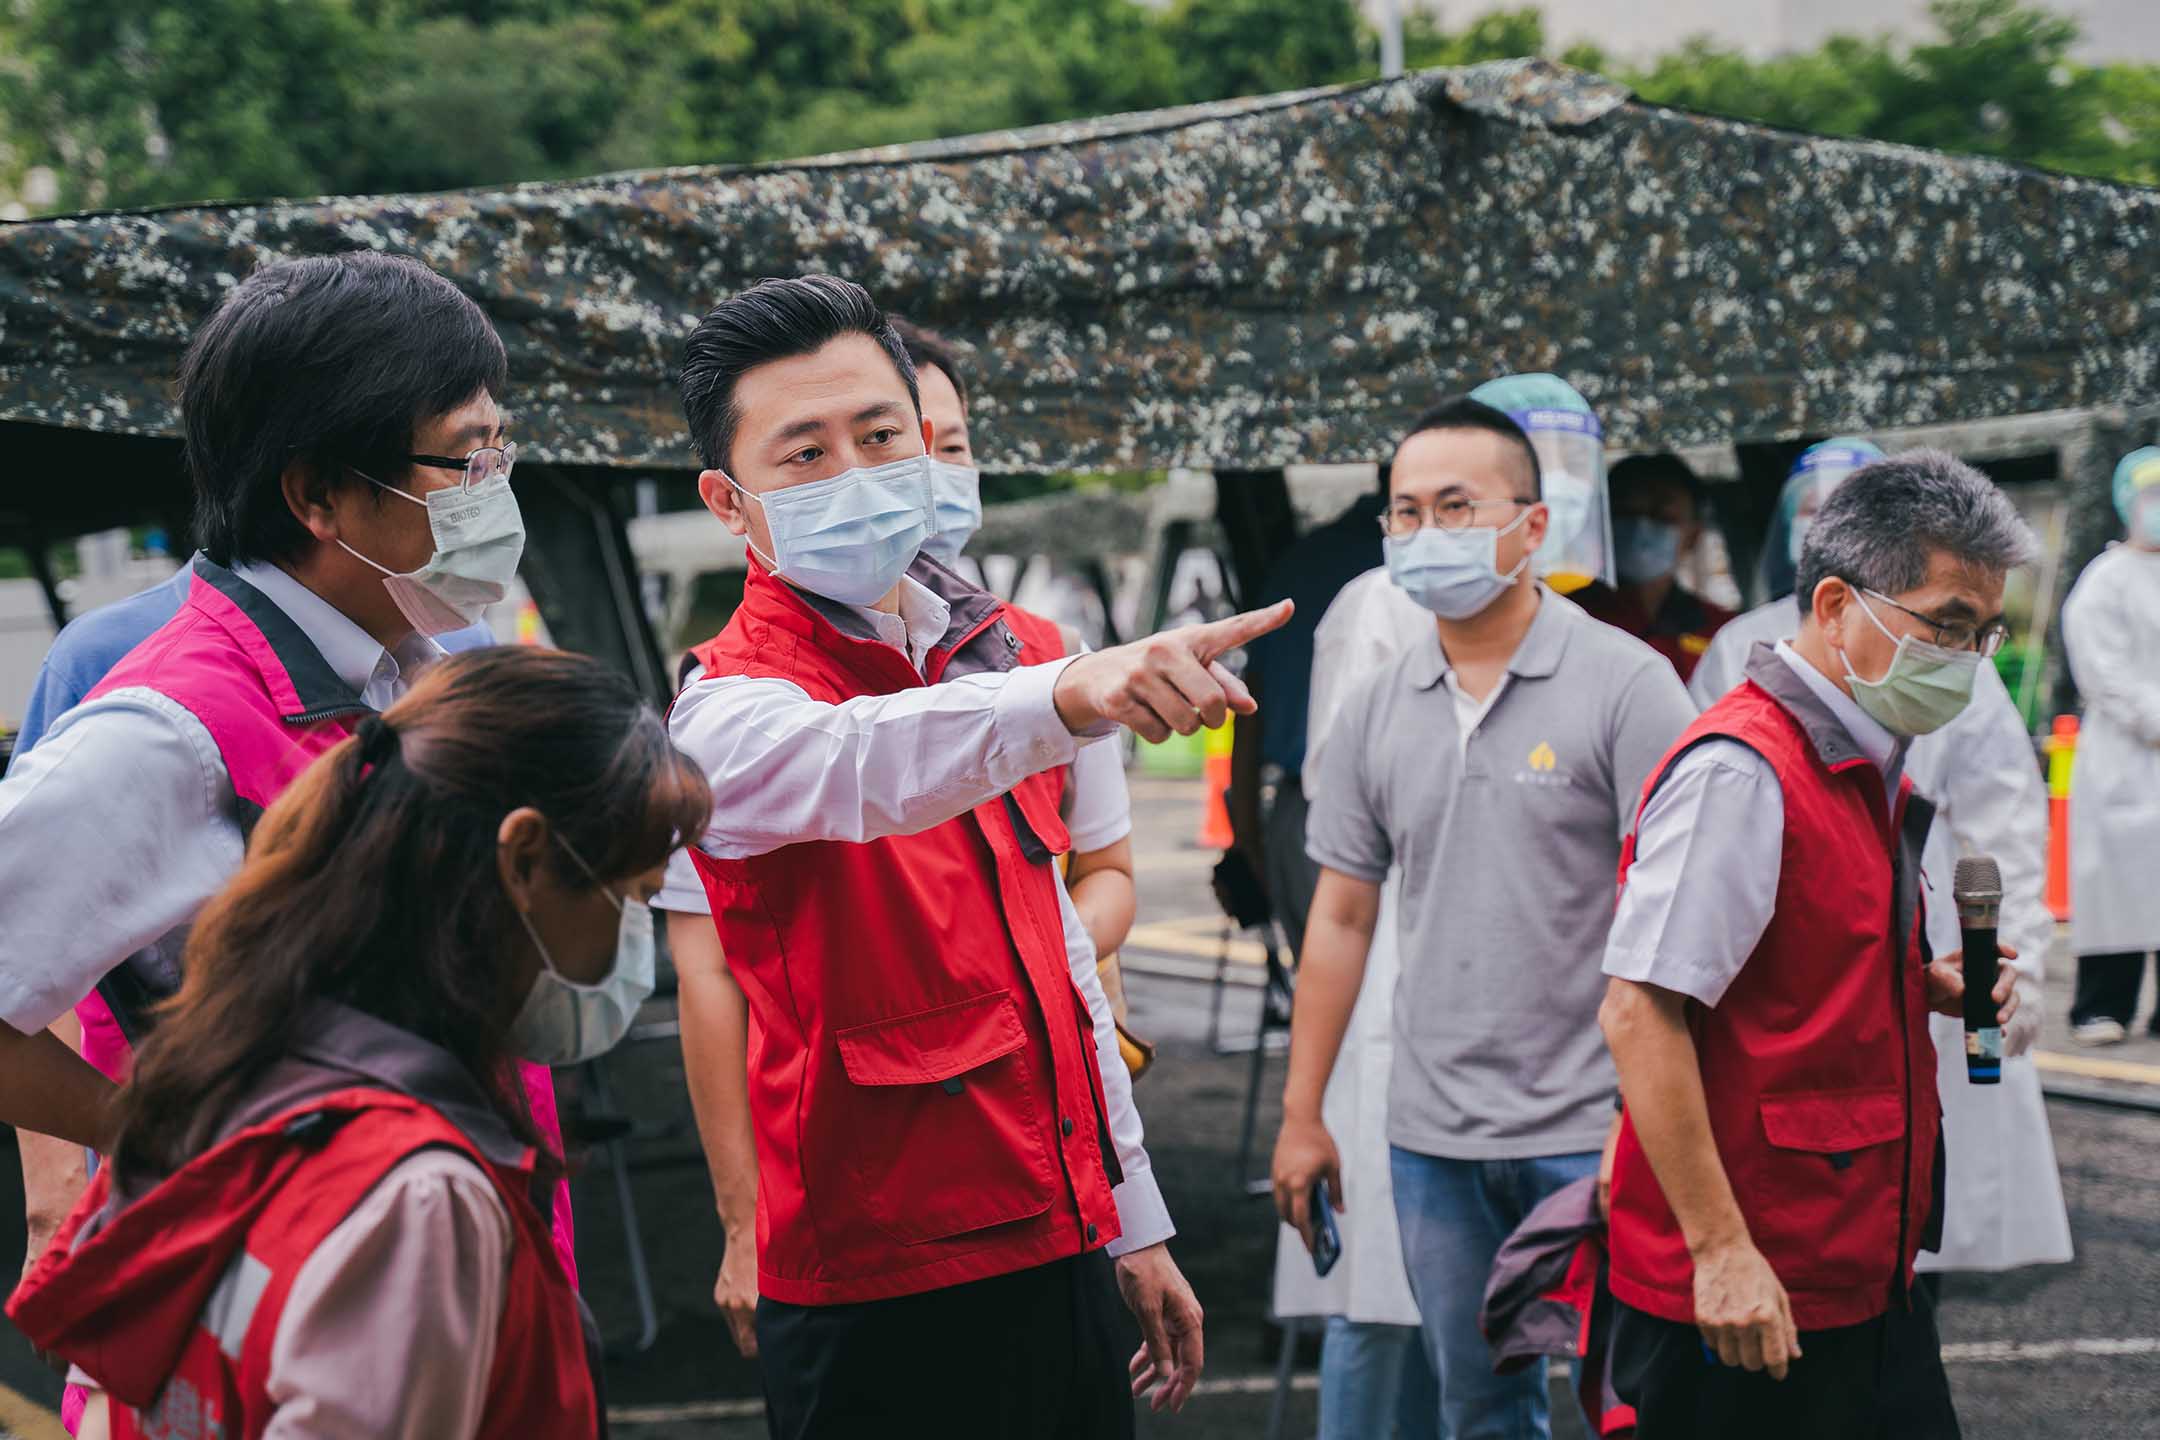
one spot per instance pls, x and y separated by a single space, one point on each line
1988 639
489 462
1404 518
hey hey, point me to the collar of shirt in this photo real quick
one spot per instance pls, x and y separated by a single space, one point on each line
376 675
919 626
1886 750
1536 656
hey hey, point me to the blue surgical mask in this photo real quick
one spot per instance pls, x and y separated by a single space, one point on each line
956 510
1644 549
563 1022
1453 573
852 536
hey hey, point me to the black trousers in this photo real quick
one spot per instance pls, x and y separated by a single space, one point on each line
2107 988
1040 1354
1882 1380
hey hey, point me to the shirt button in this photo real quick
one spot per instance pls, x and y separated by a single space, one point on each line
1091 1234
1065 1127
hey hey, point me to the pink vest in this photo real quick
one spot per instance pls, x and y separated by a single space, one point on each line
272 704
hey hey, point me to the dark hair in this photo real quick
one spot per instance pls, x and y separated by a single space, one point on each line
1882 527
333 360
775 319
373 881
1659 469
1460 412
928 348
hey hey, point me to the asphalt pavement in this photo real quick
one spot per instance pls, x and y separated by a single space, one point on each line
2070 1350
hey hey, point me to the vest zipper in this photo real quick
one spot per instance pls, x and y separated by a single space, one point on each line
1899 953
328 712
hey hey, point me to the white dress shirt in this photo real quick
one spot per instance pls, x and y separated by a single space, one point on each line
1100 808
786 769
122 822
1709 850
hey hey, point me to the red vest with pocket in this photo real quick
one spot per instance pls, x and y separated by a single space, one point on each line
173 1302
923 1078
1816 1064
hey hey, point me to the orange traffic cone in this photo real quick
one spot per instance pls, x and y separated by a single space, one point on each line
1215 810
2061 748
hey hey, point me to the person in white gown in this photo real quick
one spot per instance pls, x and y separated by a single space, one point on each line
2111 632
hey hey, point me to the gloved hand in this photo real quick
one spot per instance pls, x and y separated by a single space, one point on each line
2024 1027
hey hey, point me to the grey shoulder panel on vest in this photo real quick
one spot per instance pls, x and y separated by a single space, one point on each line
1238 284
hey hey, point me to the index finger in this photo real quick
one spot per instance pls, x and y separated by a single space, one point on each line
1218 637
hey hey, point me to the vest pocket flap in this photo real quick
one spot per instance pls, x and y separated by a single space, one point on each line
1832 1122
932 1045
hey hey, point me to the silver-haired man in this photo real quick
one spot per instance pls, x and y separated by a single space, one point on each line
1778 1168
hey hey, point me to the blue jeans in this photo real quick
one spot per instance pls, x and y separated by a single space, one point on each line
1454 1214
1374 1382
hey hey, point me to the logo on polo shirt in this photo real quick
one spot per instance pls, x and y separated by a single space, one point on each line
1542 768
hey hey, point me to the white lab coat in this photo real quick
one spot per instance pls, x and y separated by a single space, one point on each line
1370 623
2005 1205
2111 634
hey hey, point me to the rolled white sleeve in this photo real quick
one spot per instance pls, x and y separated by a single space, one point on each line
113 832
1704 881
786 769
1143 1216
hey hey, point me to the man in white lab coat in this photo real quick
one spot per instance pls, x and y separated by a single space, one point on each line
2111 631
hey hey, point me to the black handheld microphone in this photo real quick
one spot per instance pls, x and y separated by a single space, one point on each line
1977 886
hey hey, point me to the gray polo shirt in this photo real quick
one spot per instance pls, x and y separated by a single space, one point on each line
1509 846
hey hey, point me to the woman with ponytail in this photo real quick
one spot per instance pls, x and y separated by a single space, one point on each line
320 1213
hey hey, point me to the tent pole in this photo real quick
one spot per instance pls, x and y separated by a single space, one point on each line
40 558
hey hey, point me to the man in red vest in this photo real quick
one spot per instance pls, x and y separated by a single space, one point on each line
1777 1169
952 1191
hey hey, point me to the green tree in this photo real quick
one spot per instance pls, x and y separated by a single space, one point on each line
1252 47
1496 35
149 101
995 64
138 101
2129 98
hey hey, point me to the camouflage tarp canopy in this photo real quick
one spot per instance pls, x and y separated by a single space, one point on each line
1233 285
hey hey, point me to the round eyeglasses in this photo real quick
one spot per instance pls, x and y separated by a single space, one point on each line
1404 518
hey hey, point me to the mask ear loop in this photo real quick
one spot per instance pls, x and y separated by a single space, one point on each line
616 900
748 543
1528 555
1873 619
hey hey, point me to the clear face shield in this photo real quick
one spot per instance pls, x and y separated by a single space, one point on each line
1578 544
1818 472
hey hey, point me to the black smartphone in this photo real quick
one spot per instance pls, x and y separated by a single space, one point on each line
1327 1238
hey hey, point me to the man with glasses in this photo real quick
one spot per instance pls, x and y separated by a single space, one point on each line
1979 773
1496 761
353 503
1778 1166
